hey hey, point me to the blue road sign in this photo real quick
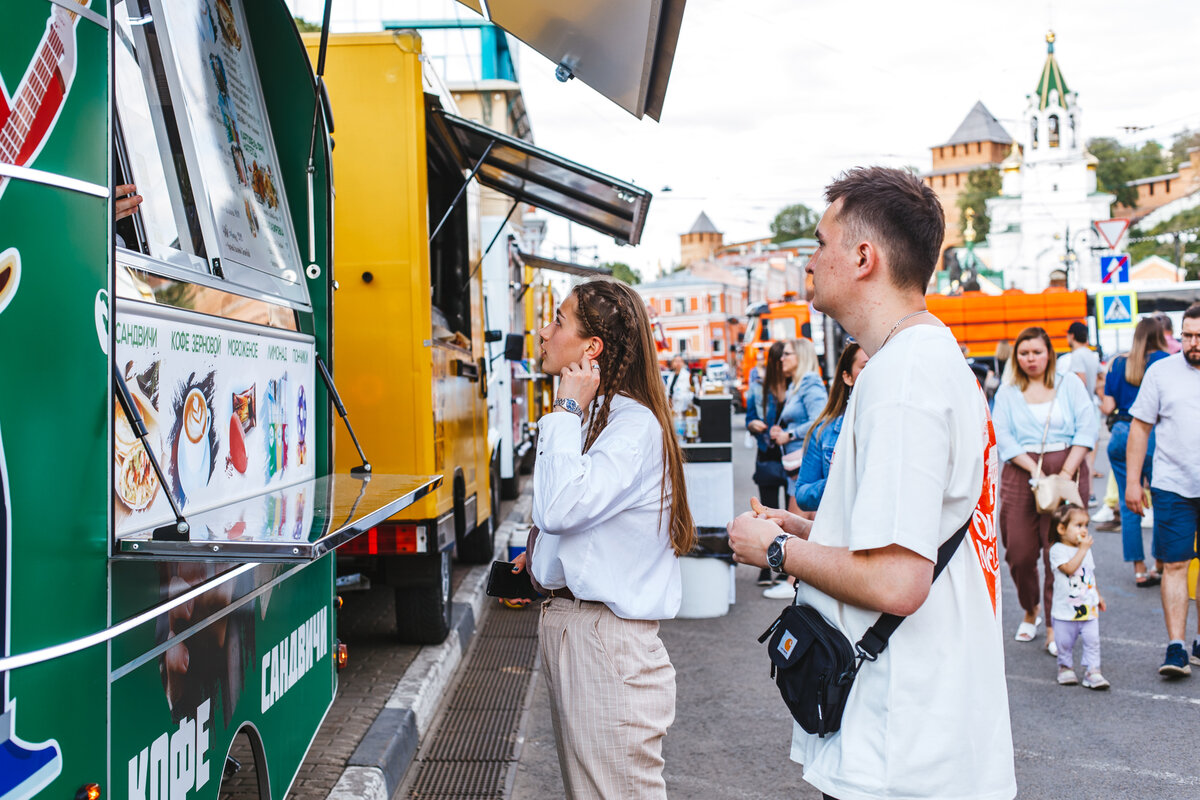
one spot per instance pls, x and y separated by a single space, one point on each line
1114 268
1116 310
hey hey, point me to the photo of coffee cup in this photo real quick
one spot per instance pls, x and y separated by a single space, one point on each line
194 458
10 275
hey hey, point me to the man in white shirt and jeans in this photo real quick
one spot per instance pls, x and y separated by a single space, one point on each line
1084 362
915 460
1169 399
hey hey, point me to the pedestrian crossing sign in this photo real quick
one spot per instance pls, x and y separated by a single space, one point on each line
1116 310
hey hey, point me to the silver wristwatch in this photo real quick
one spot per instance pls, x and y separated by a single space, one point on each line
567 404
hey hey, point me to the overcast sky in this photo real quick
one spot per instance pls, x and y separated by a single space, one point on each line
770 99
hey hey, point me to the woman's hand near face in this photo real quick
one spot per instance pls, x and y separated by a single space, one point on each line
579 381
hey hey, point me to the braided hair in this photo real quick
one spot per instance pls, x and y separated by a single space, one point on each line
616 314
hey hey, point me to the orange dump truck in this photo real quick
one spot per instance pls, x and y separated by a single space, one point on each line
980 321
768 323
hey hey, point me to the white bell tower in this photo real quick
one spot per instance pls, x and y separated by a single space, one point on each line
1041 223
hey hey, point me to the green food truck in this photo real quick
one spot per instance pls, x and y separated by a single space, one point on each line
168 506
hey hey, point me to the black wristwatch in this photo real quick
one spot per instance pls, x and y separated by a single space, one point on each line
775 551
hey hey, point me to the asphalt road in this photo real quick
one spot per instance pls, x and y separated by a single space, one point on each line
732 733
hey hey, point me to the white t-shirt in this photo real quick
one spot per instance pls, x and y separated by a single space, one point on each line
1169 399
929 719
1075 595
1085 360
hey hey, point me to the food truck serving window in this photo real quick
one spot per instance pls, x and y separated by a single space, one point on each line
199 147
149 151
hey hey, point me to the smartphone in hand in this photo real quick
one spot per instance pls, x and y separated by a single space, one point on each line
504 584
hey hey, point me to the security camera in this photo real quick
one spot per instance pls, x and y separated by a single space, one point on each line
563 72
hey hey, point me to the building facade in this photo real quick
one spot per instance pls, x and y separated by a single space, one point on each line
702 318
1159 190
701 243
980 142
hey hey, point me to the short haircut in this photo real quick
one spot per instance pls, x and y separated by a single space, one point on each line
899 213
1079 332
1193 311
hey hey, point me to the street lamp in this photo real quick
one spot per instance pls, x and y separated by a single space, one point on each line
1070 259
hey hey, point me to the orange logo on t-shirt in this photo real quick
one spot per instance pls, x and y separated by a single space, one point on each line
983 520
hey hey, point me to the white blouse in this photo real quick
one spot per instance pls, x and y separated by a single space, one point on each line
598 513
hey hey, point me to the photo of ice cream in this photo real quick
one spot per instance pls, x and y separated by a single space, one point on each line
275 424
301 426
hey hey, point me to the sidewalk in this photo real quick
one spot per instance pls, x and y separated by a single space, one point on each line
378 763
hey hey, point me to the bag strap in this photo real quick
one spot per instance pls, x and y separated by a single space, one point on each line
1046 428
874 641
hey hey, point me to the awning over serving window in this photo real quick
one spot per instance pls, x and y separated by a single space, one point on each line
537 262
531 175
623 49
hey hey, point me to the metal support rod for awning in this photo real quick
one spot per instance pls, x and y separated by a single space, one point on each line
499 229
461 190
312 141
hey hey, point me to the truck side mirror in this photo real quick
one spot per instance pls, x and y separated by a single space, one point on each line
514 347
493 336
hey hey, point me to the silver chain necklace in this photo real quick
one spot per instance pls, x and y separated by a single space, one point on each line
900 322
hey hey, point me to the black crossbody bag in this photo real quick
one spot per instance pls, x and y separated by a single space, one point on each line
813 663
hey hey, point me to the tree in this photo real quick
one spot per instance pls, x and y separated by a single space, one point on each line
1114 170
794 222
304 26
623 272
1148 161
1119 164
1173 249
981 184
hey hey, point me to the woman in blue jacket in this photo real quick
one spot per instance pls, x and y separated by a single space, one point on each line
818 446
822 436
765 403
1023 407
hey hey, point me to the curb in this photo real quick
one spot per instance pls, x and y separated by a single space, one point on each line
376 768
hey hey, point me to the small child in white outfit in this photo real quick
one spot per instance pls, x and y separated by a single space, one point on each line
1077 602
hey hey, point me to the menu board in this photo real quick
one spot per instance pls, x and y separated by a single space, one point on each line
223 101
227 410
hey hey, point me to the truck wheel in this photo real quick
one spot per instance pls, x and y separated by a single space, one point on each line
478 546
496 484
423 603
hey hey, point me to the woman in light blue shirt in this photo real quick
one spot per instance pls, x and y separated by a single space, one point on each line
1020 414
806 398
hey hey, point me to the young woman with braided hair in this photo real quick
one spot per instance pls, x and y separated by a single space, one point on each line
611 510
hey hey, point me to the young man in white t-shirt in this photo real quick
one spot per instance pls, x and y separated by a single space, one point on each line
915 461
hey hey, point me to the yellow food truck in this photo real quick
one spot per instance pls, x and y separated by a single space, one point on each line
409 338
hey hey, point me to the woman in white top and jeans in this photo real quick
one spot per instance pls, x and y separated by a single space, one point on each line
1020 416
611 507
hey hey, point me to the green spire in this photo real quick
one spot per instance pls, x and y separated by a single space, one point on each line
1052 78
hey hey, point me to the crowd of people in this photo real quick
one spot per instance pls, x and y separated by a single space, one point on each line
864 485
